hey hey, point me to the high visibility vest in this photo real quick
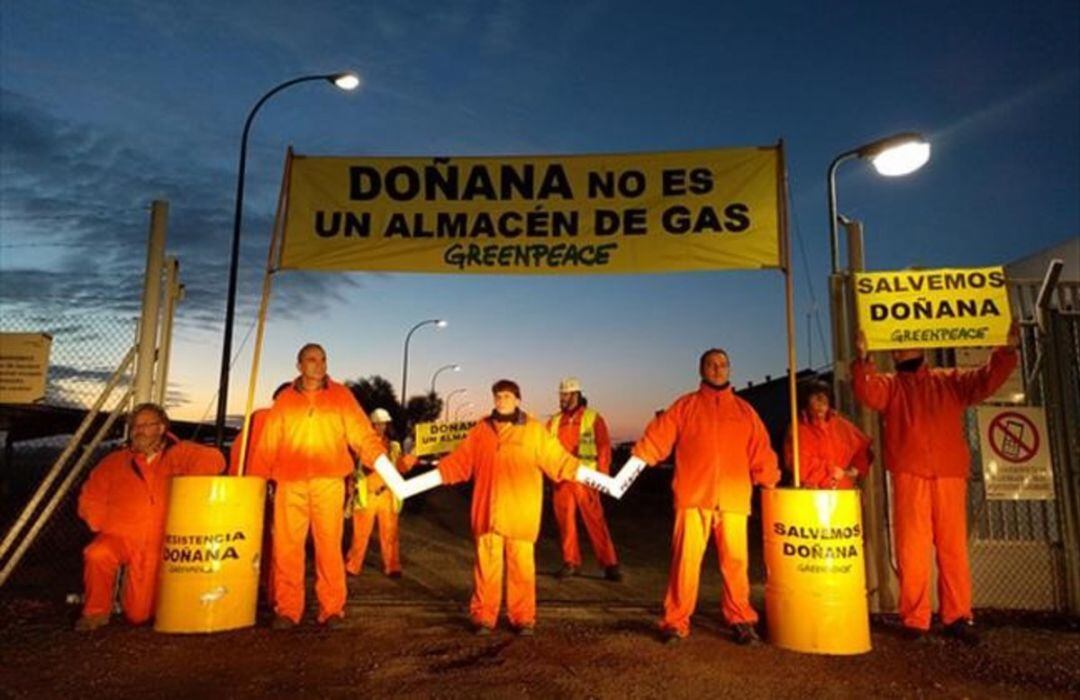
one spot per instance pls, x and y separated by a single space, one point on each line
586 436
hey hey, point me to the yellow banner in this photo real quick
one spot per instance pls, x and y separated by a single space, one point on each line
933 308
647 212
439 437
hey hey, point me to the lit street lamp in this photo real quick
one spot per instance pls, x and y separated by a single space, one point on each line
456 368
344 81
438 323
449 397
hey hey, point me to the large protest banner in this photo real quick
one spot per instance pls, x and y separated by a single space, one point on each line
933 308
646 212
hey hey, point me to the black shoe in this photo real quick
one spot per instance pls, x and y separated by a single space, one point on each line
613 573
964 631
525 631
566 571
334 622
394 574
913 634
481 630
671 637
282 623
745 635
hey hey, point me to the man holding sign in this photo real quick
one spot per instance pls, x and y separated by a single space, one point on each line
506 456
926 452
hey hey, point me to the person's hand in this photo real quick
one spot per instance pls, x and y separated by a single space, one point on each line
860 345
1013 340
837 473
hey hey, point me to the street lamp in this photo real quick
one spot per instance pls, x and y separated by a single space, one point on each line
446 406
343 81
462 407
456 368
438 323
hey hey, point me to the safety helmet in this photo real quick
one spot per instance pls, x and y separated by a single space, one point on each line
380 415
569 384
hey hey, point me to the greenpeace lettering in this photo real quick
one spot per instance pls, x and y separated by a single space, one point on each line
653 212
933 308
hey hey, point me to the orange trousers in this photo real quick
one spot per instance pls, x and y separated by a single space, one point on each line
315 505
571 497
688 544
379 508
931 512
491 549
102 560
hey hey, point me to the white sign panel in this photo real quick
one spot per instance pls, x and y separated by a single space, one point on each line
1015 454
24 365
1012 391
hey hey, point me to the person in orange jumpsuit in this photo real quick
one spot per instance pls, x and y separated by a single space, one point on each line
506 456
833 453
374 501
304 447
584 434
124 501
927 455
721 450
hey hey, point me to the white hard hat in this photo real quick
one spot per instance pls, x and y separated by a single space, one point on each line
569 384
380 415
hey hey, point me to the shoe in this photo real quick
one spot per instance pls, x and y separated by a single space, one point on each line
481 631
613 573
282 623
393 574
745 635
566 571
913 634
671 637
963 630
334 622
525 631
89 623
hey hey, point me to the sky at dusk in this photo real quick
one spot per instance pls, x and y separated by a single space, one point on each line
105 107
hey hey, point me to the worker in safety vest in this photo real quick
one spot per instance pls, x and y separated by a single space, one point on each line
305 448
124 501
374 501
583 433
926 453
833 453
721 450
506 456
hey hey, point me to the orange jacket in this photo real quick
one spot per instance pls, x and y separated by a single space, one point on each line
570 433
308 435
506 462
125 496
923 411
258 422
824 444
721 447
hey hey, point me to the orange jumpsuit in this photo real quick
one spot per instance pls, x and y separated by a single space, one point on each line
304 448
721 450
506 462
825 444
927 453
571 496
382 506
124 501
258 422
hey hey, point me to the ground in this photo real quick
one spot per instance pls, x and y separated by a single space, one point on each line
594 639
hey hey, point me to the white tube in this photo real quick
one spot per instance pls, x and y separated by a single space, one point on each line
595 480
390 475
422 482
629 472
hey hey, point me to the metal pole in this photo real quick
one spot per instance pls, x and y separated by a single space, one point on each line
441 370
446 406
405 362
151 302
234 256
173 294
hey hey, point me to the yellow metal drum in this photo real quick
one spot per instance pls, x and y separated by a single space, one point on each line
209 575
815 593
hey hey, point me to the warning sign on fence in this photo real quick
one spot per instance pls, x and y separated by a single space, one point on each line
1016 459
24 366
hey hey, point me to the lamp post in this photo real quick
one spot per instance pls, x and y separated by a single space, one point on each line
449 397
456 368
344 81
438 323
462 407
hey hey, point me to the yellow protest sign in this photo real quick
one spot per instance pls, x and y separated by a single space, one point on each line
933 308
646 212
440 437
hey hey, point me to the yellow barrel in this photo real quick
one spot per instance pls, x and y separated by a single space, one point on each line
815 591
209 575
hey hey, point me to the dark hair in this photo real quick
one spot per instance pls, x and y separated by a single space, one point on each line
281 387
705 356
153 408
812 387
309 346
506 385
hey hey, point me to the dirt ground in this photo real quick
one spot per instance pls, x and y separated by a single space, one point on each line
594 638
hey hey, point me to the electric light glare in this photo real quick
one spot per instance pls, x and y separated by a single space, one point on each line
902 159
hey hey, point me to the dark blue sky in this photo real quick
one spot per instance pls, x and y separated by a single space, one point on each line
105 107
